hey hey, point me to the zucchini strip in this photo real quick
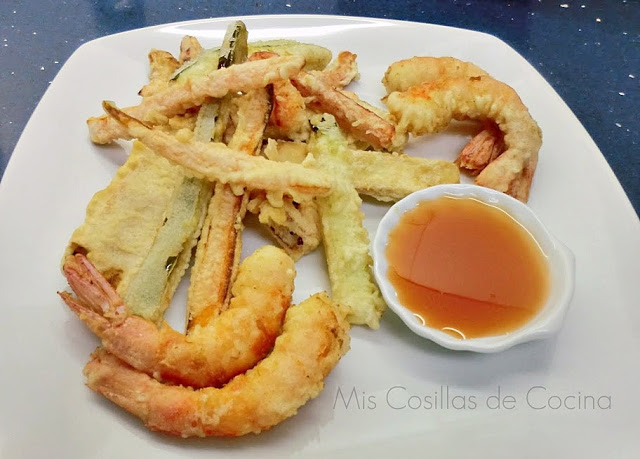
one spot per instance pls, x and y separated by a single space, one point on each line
383 176
346 241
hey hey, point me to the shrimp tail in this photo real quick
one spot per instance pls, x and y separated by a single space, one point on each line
92 289
96 323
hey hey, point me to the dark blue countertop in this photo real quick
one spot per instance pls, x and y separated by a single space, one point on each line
588 50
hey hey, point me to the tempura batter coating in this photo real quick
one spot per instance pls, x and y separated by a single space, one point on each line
190 48
430 107
391 177
340 72
176 98
313 340
345 240
161 65
123 221
383 176
217 162
355 118
209 356
406 73
218 251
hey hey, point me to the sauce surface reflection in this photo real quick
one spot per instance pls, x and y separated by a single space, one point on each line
467 268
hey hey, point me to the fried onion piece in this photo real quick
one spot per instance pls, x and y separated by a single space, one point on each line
295 226
406 73
217 162
345 240
430 107
314 338
184 94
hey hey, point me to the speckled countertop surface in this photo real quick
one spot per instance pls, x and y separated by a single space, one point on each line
588 50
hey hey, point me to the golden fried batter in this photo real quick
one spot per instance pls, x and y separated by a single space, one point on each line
209 356
217 162
180 96
430 107
123 221
406 73
313 340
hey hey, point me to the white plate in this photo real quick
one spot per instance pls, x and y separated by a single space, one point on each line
393 375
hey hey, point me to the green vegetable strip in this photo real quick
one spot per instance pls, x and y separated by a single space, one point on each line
345 240
150 291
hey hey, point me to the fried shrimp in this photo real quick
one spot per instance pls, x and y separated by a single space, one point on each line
178 97
406 73
217 162
486 146
314 339
401 75
430 107
235 341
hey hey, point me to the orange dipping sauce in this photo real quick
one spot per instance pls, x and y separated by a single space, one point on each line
467 268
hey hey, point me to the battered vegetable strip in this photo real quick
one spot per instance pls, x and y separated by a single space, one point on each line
383 176
430 107
390 177
314 338
289 117
209 356
353 117
149 287
153 285
346 241
152 288
123 220
220 246
315 57
180 96
217 162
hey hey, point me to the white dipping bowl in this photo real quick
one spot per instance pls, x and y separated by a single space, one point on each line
560 261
